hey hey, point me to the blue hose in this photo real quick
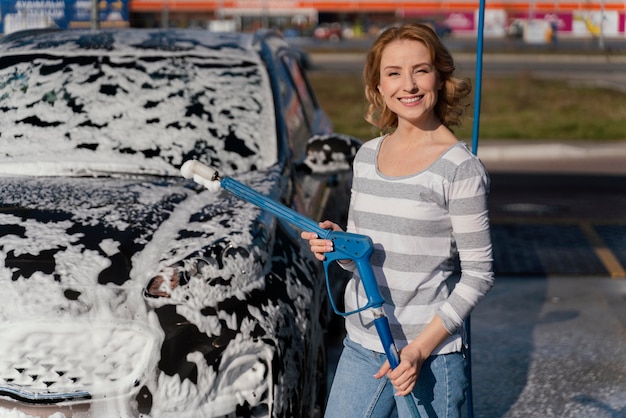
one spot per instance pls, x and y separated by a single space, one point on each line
479 75
475 131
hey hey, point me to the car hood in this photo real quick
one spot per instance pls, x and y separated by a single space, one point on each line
74 233
78 254
49 226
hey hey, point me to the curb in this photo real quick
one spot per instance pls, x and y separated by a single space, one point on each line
550 151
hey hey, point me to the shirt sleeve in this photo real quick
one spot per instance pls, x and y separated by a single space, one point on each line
467 205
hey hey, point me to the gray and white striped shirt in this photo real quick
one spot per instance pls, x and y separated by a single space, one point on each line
418 224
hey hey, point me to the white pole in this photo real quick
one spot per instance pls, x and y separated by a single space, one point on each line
601 38
165 15
94 14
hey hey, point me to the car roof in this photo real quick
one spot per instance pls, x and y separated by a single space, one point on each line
132 41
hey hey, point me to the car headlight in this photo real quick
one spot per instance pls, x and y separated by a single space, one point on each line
222 262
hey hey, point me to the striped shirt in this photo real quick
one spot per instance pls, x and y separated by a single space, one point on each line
419 224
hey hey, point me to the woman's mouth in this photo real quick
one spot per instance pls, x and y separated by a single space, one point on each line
409 100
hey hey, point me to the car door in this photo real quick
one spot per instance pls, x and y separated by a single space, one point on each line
304 118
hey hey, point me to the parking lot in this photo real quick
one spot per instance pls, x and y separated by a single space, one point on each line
558 214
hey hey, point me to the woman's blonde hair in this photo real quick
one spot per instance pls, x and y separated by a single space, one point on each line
449 107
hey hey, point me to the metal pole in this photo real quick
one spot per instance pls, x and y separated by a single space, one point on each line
601 38
165 14
94 14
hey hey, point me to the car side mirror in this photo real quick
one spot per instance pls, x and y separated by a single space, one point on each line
330 154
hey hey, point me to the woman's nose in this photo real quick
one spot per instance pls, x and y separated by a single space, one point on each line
410 84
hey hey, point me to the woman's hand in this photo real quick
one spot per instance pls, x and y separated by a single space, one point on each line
403 377
412 357
320 246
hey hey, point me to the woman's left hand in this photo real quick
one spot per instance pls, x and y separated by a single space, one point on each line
413 356
403 377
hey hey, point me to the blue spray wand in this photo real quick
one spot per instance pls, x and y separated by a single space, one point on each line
346 245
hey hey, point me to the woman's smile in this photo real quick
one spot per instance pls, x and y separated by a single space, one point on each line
411 100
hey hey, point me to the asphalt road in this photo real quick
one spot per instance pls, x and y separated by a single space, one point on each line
550 339
597 69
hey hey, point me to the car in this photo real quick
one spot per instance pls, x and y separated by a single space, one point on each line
128 290
329 32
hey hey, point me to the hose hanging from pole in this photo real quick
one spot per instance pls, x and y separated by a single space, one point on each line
479 74
475 131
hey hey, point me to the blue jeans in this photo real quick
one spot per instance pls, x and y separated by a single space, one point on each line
355 393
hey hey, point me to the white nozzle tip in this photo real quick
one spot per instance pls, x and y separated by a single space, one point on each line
201 174
187 169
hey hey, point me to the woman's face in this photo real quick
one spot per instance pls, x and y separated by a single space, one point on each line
409 82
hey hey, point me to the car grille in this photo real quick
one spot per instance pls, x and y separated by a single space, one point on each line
52 362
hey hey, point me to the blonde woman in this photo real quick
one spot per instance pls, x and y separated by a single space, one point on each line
421 195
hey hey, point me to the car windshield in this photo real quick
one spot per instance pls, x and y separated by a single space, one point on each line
101 113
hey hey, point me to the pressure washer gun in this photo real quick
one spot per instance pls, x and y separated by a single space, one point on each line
346 245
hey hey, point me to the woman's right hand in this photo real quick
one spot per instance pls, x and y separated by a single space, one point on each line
318 245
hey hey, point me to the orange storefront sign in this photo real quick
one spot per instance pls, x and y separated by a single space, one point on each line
363 6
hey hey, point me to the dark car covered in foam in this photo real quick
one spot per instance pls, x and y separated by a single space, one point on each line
127 290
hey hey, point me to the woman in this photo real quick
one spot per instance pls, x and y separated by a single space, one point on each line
421 196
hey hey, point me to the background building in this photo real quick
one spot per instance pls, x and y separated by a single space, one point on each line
359 17
329 19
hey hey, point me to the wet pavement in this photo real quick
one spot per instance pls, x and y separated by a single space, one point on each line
550 347
558 210
547 224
